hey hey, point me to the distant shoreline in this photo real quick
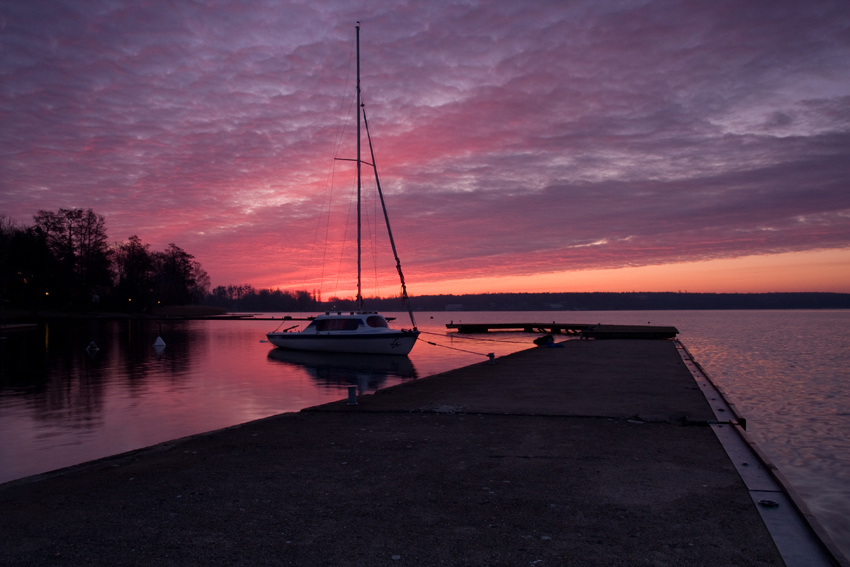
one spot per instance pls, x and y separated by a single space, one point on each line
566 302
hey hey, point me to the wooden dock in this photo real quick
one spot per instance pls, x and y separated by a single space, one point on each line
577 329
554 328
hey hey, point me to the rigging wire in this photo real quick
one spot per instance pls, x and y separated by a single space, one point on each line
343 118
351 204
371 227
372 219
371 223
373 240
405 299
344 121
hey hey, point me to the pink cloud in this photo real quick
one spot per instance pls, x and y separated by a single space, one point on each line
512 139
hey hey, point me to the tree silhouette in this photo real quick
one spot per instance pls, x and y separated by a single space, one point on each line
179 279
78 241
63 261
134 274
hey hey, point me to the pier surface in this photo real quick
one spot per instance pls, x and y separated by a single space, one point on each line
596 453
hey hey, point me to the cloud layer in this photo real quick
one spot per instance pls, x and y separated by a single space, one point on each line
512 138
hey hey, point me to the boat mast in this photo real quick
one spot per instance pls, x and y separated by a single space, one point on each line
405 300
359 294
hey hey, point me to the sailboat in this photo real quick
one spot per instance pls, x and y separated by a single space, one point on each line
356 331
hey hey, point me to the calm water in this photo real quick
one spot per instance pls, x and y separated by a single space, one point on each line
60 405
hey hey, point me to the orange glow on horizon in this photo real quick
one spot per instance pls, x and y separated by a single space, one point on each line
819 271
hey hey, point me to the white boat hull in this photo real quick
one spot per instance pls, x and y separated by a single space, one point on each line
393 342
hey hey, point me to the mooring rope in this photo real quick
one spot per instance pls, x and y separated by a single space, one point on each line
475 339
455 348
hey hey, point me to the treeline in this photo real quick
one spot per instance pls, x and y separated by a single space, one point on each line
64 260
246 298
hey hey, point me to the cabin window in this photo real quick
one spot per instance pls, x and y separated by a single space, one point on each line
376 321
338 324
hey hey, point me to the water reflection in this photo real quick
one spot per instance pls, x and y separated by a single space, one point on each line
367 371
63 403
65 370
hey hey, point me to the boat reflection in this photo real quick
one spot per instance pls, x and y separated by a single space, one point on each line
368 372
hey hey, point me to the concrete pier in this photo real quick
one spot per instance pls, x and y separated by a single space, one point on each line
596 453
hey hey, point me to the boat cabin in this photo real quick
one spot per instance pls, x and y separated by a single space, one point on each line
350 322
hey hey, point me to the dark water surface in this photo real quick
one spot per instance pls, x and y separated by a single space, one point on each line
61 405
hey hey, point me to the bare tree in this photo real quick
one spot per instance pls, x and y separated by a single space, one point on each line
180 279
134 273
77 239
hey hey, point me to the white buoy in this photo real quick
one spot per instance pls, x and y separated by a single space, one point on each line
159 347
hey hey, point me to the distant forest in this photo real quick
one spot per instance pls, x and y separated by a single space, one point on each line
64 261
247 299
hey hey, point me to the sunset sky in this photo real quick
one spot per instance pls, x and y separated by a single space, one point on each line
522 146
